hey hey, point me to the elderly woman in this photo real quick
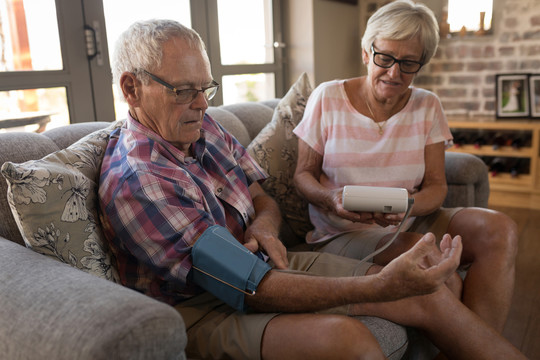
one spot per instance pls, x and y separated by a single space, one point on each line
379 130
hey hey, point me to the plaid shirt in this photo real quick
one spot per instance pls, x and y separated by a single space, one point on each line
157 202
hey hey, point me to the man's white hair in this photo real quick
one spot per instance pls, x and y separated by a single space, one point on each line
141 46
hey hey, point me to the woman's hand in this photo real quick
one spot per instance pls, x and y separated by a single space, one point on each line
335 205
385 220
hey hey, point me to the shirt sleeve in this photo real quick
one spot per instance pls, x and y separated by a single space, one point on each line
310 129
439 132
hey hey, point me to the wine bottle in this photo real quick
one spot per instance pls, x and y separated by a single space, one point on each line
479 141
521 140
462 138
498 140
496 166
515 167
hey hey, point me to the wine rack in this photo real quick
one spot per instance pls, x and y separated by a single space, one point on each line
510 150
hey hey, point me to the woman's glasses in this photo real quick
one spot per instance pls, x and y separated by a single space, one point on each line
387 61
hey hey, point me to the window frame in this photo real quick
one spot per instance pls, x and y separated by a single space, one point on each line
85 101
88 80
204 20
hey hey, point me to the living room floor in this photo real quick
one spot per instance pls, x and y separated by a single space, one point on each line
523 325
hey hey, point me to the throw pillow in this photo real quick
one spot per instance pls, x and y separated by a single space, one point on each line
54 202
276 149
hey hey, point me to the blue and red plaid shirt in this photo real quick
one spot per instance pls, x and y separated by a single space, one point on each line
156 202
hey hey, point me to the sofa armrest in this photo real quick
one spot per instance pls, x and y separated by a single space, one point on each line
53 311
467 179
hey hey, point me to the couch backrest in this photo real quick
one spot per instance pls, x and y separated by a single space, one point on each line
243 120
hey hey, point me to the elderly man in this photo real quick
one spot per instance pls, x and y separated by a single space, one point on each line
171 173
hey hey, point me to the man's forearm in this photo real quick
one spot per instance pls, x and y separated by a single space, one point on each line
267 210
287 292
405 276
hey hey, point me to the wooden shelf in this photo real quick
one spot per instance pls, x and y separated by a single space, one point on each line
505 190
487 150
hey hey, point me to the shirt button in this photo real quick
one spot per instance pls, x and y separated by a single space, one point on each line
219 190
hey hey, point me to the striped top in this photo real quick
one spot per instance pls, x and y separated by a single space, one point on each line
158 202
354 153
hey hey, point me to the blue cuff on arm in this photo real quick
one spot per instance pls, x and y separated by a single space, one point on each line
226 268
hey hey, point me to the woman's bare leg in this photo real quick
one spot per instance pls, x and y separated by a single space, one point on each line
490 246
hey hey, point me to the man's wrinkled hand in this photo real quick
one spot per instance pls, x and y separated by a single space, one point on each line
423 269
257 239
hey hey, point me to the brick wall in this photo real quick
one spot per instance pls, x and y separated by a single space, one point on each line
463 71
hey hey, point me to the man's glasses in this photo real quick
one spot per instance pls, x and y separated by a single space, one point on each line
186 96
387 61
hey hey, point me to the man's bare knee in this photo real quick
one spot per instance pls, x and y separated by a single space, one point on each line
313 336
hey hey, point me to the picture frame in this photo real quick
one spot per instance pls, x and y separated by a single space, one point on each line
512 95
534 94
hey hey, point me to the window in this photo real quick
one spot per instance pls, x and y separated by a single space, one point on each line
45 69
473 16
54 54
241 48
34 83
245 47
246 42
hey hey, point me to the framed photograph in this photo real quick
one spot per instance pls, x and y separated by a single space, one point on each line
534 91
512 95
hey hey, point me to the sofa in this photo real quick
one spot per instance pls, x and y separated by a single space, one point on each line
51 309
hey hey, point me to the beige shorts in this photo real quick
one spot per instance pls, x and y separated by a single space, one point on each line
215 330
359 244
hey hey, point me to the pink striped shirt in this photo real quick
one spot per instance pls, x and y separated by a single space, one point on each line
354 153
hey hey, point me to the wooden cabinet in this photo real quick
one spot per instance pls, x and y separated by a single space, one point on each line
506 189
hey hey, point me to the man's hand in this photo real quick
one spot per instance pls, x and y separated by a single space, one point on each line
263 232
421 270
259 237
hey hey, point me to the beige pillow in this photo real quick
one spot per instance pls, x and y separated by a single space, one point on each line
54 202
276 149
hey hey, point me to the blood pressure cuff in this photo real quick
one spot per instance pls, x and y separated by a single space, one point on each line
226 268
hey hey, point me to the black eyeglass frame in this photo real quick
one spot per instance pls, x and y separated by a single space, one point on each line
394 60
214 87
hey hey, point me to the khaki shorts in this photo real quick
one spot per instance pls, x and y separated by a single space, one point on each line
215 330
359 244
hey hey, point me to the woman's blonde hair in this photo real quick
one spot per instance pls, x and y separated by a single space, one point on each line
403 20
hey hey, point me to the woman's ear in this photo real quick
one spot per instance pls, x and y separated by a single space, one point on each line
365 57
130 86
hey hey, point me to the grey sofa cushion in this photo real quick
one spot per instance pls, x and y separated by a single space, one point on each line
231 123
391 337
64 313
467 178
254 116
65 136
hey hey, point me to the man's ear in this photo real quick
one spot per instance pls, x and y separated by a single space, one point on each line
131 87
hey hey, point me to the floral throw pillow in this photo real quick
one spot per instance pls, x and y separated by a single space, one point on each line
276 149
54 202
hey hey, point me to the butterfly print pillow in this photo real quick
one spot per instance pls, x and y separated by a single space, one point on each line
54 202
